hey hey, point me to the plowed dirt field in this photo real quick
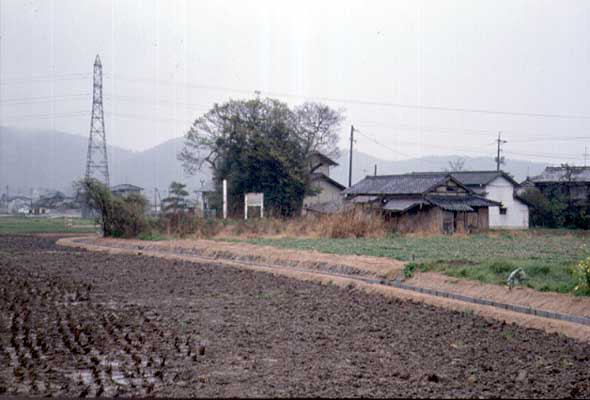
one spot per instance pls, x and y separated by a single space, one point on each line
77 323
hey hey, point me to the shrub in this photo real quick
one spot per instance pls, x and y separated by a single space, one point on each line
118 216
128 218
409 269
582 274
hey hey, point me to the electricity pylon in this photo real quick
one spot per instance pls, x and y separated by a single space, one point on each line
97 164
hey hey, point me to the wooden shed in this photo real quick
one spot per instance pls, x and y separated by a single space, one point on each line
423 202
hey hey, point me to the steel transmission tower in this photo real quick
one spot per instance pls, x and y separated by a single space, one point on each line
97 164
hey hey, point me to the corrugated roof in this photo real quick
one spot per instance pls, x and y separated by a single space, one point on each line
469 200
560 174
397 184
402 204
450 204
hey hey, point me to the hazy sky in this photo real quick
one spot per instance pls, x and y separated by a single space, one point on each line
409 74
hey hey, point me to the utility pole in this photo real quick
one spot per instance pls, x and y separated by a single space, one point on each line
350 158
375 173
498 159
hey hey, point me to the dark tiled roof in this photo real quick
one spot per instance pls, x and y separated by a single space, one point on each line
559 174
478 201
364 199
472 178
417 183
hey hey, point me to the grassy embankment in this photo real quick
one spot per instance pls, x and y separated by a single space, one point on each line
22 225
547 256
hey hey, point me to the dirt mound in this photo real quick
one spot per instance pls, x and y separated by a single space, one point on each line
377 267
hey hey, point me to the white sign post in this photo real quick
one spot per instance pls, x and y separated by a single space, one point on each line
253 200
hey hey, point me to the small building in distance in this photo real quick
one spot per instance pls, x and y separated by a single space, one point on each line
205 199
573 182
422 202
18 204
125 189
500 187
329 192
50 201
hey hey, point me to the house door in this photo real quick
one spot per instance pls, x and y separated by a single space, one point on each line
449 222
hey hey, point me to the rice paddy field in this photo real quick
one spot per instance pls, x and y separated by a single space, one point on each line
20 225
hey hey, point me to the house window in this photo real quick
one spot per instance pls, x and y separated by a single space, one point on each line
503 210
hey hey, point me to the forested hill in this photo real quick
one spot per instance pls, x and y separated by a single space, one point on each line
52 160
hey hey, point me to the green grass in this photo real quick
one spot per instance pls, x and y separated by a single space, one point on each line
547 256
21 225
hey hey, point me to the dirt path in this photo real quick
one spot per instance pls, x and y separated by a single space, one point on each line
378 267
285 261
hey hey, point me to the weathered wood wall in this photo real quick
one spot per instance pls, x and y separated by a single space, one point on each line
435 220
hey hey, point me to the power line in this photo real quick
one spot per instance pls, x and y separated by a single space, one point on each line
361 102
547 156
43 79
468 148
479 132
43 99
46 116
293 95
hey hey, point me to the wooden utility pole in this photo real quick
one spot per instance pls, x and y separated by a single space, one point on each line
375 173
350 158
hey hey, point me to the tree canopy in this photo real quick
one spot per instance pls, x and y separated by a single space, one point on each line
176 200
261 145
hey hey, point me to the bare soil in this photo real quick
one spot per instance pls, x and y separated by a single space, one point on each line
378 267
252 257
78 323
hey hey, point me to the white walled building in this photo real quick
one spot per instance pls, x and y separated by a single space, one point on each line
329 191
501 187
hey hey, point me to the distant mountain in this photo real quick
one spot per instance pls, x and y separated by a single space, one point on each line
50 160
53 160
364 164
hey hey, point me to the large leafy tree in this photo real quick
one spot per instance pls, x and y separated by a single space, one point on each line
261 145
